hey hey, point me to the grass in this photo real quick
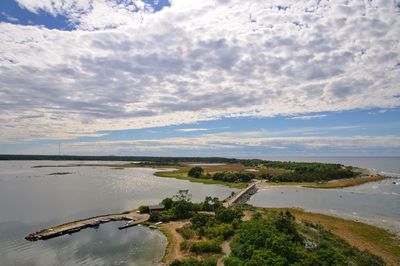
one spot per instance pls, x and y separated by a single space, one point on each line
170 246
181 173
378 241
348 182
341 183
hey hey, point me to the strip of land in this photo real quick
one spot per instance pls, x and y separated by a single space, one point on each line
312 175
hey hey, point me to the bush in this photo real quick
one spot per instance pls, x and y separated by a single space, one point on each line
186 232
227 215
144 209
223 231
206 246
200 219
196 172
193 262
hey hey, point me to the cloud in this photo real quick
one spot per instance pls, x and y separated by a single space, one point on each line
127 67
191 129
9 18
226 143
306 117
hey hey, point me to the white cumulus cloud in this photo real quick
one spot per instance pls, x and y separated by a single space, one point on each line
125 66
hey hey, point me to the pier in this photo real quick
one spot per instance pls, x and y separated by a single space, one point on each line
241 197
73 227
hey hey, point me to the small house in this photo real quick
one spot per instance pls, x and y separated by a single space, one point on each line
153 208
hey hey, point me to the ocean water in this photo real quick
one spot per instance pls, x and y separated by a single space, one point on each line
31 199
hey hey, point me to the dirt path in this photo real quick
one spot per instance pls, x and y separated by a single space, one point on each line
226 251
175 239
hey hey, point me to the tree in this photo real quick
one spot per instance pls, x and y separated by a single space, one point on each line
211 204
144 209
183 195
196 172
227 215
167 202
182 207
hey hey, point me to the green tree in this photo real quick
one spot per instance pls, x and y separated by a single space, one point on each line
167 202
144 209
227 215
196 172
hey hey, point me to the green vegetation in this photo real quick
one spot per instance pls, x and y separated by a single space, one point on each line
144 209
315 174
279 240
196 172
180 207
348 182
233 177
182 173
364 236
194 262
304 172
268 238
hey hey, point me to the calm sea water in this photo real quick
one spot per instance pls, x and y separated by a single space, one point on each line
31 199
377 203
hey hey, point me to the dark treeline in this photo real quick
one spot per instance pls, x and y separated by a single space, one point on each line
162 160
304 172
233 177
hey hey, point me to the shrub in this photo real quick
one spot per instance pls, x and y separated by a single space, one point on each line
196 172
206 246
144 209
227 215
186 232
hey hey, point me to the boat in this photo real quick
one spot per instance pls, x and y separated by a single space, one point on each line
94 223
128 224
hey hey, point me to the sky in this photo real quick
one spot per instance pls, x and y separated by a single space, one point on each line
232 78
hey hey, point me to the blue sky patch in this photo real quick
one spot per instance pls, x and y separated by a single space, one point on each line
11 12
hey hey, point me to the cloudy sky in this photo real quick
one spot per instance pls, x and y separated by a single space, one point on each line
200 78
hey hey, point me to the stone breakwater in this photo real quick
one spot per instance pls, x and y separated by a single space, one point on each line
76 226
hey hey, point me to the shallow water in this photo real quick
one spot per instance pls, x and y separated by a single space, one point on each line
376 203
31 199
